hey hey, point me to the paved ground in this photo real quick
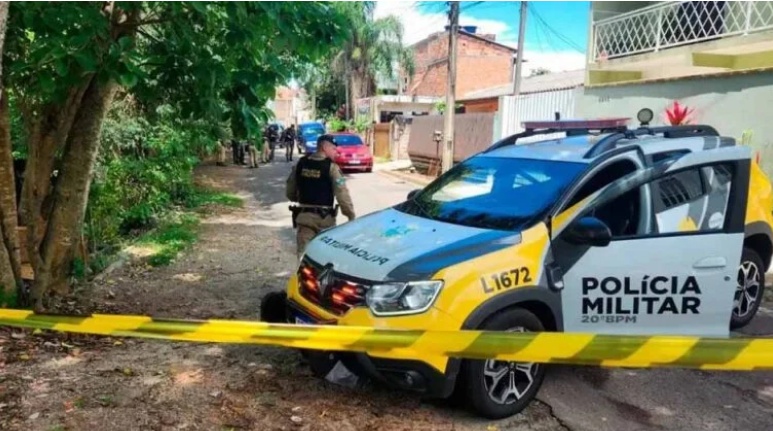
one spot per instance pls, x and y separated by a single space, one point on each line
78 383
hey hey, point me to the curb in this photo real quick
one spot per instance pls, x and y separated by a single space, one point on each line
409 178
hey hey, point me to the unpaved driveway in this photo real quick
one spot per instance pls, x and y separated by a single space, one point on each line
57 382
61 382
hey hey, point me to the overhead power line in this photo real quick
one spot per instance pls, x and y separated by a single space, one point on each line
550 30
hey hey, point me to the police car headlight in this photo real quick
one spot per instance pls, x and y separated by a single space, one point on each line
396 299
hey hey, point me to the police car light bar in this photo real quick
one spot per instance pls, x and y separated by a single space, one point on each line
601 123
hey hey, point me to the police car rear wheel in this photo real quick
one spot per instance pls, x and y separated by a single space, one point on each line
749 289
499 389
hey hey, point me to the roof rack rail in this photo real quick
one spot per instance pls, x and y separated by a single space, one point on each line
513 139
668 132
570 127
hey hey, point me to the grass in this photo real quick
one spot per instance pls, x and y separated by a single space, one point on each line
202 197
170 238
178 231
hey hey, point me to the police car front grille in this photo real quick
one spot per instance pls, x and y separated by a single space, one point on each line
338 296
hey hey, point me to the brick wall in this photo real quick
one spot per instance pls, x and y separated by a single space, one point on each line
481 105
479 65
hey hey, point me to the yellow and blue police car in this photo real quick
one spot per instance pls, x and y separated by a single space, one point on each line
588 226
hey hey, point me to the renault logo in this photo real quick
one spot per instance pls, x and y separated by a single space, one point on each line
325 278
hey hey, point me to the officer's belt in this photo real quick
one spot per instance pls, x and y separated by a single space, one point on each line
321 210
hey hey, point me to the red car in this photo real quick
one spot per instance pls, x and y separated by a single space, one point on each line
353 153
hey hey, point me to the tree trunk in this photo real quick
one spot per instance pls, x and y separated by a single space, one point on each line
8 214
359 87
64 227
47 133
347 79
313 104
10 268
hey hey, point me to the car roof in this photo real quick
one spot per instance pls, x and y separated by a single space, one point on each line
570 149
586 148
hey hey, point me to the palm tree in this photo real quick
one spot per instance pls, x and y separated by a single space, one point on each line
374 47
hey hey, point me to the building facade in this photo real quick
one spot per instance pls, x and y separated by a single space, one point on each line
715 58
481 63
291 106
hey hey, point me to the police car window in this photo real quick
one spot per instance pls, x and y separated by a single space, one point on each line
528 178
605 176
693 201
473 183
495 193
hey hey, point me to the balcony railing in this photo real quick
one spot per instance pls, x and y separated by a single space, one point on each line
672 24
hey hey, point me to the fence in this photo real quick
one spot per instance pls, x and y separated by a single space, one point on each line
472 133
513 110
671 24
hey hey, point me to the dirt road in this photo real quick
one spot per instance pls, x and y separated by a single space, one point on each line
84 383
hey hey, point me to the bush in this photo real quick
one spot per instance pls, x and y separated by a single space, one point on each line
145 170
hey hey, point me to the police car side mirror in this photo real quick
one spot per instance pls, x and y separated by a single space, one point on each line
412 193
588 231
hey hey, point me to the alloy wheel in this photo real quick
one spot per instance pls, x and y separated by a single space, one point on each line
748 289
508 382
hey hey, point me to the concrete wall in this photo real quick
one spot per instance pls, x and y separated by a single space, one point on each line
733 105
472 134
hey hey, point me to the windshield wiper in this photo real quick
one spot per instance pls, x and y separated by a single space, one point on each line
422 208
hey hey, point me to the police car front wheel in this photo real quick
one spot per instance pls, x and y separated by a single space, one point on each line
498 389
749 289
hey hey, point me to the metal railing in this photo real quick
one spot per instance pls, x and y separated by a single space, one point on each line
672 24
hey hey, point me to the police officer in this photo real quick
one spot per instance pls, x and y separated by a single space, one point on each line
221 152
251 148
314 182
288 137
235 147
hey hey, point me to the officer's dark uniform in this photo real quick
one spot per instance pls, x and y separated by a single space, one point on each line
315 183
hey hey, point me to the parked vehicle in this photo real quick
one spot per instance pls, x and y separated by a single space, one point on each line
608 230
353 154
308 133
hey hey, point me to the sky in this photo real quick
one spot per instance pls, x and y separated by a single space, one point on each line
556 31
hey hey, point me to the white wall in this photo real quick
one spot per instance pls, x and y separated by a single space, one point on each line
731 104
513 110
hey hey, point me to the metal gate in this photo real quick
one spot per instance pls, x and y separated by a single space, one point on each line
513 110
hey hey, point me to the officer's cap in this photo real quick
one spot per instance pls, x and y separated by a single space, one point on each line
328 138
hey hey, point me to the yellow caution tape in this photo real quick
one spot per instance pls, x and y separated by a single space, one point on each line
544 347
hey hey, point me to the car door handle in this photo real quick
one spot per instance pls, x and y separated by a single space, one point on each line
710 262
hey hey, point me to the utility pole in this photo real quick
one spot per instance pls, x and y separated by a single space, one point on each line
447 160
519 53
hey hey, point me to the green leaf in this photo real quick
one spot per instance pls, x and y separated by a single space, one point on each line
127 80
125 43
86 61
61 68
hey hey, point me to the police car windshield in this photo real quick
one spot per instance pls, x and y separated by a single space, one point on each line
494 192
347 140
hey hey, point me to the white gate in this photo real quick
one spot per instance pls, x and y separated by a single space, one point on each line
514 110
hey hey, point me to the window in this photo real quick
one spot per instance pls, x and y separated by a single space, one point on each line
495 193
693 201
348 140
605 176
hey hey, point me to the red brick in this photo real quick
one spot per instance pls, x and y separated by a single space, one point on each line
480 64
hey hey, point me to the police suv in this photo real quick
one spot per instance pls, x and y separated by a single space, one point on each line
589 226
